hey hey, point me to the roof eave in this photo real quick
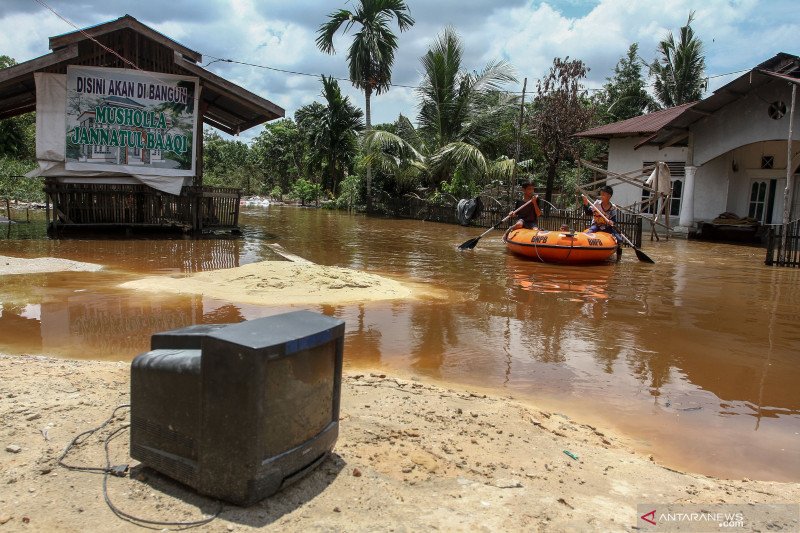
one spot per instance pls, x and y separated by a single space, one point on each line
127 21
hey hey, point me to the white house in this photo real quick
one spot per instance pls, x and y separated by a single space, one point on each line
727 152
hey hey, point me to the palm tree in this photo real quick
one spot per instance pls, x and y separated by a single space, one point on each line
459 114
371 54
331 131
458 109
679 72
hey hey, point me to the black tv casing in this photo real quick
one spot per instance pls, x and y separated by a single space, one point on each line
211 407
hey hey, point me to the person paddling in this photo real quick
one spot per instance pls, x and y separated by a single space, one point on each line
603 212
529 215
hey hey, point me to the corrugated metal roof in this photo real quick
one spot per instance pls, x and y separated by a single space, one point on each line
228 107
782 65
641 125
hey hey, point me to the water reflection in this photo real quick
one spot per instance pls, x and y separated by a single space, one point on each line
697 355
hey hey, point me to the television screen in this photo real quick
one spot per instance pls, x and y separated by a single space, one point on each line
300 393
239 411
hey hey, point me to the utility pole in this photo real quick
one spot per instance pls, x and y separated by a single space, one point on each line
788 192
516 154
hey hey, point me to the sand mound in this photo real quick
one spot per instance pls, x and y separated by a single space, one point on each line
21 265
280 283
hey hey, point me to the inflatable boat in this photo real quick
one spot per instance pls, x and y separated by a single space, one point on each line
563 247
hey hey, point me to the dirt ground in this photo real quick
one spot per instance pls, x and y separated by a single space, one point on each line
18 265
410 456
280 283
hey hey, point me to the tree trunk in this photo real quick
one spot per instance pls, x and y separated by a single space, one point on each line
551 179
368 116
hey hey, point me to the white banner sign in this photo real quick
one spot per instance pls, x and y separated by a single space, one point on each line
122 120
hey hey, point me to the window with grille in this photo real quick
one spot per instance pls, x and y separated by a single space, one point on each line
677 172
767 161
758 199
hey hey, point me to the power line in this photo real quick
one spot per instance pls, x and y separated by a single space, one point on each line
104 47
293 72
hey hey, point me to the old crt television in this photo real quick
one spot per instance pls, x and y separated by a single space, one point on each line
239 411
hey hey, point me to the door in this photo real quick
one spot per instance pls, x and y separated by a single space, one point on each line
762 200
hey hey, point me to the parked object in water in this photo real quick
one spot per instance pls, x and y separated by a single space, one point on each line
254 201
470 244
563 247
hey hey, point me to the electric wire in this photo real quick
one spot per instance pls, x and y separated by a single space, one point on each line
121 471
216 59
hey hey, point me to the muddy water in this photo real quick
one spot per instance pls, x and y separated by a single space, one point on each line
697 357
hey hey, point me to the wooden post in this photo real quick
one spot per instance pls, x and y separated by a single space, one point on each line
513 183
788 192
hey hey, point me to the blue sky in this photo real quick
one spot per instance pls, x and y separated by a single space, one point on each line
737 34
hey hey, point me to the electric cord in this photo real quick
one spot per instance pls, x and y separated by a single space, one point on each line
121 471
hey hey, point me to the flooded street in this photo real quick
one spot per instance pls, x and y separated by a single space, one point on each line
697 357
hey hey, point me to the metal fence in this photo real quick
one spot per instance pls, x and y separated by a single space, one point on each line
777 255
552 219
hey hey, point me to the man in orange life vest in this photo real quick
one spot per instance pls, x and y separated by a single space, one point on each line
529 215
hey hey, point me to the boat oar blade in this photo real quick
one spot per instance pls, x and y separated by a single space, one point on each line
641 256
470 244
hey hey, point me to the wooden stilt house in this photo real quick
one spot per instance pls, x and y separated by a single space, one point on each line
120 110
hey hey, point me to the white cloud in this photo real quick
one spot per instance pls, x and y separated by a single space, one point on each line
737 34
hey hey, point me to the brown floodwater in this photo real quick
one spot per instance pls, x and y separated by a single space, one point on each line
696 358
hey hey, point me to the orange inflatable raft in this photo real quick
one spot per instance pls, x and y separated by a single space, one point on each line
564 247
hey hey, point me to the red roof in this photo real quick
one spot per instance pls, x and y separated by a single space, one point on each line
642 125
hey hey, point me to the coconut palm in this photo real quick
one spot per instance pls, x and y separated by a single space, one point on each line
679 71
459 112
371 53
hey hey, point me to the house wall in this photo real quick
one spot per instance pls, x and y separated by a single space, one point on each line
743 122
748 169
718 187
711 180
623 158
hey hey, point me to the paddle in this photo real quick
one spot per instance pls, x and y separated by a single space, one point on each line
640 255
470 244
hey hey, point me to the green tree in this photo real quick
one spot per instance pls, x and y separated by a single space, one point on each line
560 111
228 164
305 190
460 114
679 72
330 132
371 53
624 95
279 155
17 134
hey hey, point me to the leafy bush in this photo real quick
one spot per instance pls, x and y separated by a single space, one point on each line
305 191
13 184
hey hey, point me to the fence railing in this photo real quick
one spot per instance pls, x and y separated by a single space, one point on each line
196 208
777 254
576 218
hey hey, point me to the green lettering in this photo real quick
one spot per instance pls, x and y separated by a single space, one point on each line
168 143
159 142
75 135
101 115
114 138
151 141
119 115
162 121
103 137
128 115
94 136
